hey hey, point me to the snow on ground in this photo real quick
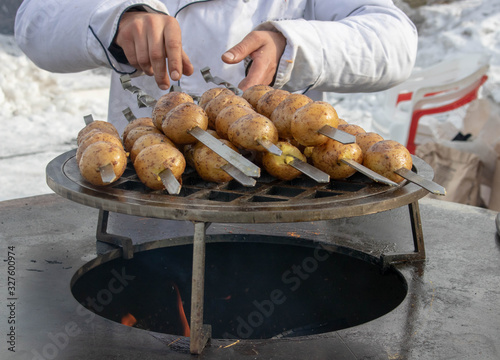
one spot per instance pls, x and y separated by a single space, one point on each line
41 113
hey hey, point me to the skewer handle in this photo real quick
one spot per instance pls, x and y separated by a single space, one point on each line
170 182
107 173
428 185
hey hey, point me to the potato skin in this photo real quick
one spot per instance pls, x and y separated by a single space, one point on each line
277 166
100 154
154 159
94 137
229 115
100 125
365 140
247 130
283 113
328 156
308 119
143 121
211 94
270 100
208 164
220 102
254 93
351 129
386 156
136 133
166 103
147 140
181 119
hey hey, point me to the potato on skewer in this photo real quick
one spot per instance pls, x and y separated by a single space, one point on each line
209 165
100 125
143 121
147 140
181 119
283 113
278 166
166 103
211 94
229 115
384 157
254 93
328 156
309 119
94 137
220 102
99 157
253 132
136 133
151 162
270 100
365 140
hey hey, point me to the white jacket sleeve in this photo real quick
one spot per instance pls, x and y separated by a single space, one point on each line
71 36
369 46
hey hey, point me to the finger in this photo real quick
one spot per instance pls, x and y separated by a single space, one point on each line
258 73
245 47
187 66
157 57
173 48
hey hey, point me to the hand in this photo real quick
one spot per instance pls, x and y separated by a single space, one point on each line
265 49
147 39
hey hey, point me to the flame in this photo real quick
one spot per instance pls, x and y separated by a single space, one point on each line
129 320
185 325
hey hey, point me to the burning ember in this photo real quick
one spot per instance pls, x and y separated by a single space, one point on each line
129 320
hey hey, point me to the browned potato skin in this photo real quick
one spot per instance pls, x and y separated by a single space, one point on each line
351 129
386 156
328 156
181 119
270 100
100 154
166 103
342 122
254 93
365 140
283 113
143 121
229 115
217 104
277 166
147 140
151 161
136 133
100 125
308 119
211 94
94 137
245 132
208 164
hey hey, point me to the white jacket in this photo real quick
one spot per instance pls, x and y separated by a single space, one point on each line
335 45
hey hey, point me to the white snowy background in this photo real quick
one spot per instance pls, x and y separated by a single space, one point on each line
41 113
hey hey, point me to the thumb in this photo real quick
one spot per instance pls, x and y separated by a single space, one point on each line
240 51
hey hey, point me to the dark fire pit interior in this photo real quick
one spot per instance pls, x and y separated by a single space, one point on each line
255 288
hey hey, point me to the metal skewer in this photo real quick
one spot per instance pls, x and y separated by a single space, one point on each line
129 115
107 173
238 175
88 119
218 81
233 157
428 185
338 135
309 170
270 147
170 182
368 172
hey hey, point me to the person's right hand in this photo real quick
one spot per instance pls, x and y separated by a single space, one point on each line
147 39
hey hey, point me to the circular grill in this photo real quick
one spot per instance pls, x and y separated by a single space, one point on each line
269 201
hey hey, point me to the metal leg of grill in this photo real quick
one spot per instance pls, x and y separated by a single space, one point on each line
418 240
200 333
116 240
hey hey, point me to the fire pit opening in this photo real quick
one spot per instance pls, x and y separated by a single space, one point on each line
256 287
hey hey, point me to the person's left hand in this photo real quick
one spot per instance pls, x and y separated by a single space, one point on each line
265 49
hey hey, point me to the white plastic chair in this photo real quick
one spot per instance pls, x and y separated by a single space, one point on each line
437 89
